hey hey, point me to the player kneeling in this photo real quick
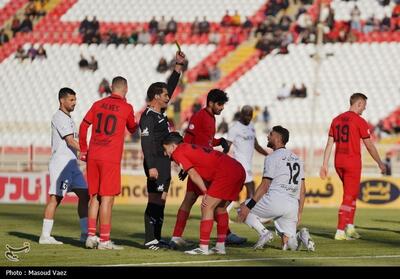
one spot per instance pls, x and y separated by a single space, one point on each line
280 197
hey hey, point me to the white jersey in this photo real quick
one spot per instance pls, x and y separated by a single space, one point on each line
286 171
62 125
243 138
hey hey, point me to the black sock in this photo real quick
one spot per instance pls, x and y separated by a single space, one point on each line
150 221
159 222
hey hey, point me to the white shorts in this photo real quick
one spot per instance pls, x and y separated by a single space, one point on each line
283 210
249 175
65 177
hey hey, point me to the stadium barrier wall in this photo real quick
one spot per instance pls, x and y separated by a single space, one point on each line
375 192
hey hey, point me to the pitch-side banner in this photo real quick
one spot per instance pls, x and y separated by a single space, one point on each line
375 192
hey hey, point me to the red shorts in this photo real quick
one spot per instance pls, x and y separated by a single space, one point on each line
104 178
350 174
228 181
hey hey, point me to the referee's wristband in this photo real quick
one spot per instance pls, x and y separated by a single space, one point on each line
251 203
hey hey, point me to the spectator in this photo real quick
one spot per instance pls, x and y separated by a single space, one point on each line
26 25
215 73
94 25
266 115
133 39
355 15
283 93
83 63
247 24
84 26
93 65
104 88
41 53
302 92
195 28
388 164
21 54
214 38
204 26
15 25
3 37
202 73
144 37
32 52
172 26
236 20
153 26
162 66
162 25
226 20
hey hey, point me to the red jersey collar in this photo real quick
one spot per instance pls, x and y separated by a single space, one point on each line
117 96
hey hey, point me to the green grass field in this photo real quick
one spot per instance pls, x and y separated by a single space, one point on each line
379 246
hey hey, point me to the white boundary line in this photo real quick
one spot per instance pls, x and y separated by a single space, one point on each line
259 259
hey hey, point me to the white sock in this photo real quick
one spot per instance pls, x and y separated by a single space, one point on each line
340 231
253 222
230 206
47 227
220 245
204 247
84 225
350 226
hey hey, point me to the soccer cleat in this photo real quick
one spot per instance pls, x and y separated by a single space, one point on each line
219 251
92 242
178 242
199 251
342 236
304 238
234 239
109 245
352 233
48 240
265 238
156 245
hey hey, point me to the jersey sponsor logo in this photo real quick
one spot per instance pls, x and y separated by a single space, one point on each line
378 191
145 132
64 184
160 188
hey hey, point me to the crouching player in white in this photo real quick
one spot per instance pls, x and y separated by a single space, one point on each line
279 197
65 175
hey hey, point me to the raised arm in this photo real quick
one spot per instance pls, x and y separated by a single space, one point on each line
174 77
259 149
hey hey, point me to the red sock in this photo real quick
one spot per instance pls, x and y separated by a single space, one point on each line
222 226
352 212
180 224
345 211
229 230
205 231
105 230
92 226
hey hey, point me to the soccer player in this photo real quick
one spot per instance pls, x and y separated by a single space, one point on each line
201 131
224 177
154 128
279 197
108 117
242 136
347 130
65 175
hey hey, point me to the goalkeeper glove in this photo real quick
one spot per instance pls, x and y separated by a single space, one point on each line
182 175
224 145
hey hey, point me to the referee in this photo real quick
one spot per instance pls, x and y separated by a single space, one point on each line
157 166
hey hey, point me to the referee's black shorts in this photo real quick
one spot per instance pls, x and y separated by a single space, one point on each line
163 166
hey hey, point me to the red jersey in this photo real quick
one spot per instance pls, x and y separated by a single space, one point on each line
201 129
347 130
108 117
204 159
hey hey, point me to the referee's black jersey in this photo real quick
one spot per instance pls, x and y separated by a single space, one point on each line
154 128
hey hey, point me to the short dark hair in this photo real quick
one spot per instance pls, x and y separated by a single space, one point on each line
357 96
64 92
283 132
118 82
217 96
173 137
155 89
